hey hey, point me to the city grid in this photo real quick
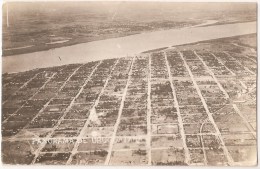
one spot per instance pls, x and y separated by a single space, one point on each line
176 106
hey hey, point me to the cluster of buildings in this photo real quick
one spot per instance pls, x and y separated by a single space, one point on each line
168 107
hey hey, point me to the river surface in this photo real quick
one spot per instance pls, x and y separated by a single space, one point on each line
123 46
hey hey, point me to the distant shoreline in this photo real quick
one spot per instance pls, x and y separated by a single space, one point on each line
123 46
32 48
71 42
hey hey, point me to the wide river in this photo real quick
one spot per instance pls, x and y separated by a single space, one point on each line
123 46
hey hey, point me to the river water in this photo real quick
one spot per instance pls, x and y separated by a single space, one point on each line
123 46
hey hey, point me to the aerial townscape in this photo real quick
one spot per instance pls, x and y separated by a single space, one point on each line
120 83
191 104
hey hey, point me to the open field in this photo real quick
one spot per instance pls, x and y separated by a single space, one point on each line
193 104
42 26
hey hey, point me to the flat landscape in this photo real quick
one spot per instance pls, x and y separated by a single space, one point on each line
192 104
122 46
31 27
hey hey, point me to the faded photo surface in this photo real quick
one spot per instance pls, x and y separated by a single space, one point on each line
129 83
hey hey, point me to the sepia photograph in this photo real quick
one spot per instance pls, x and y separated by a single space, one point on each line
129 83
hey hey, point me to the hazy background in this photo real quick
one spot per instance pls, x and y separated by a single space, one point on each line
35 26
